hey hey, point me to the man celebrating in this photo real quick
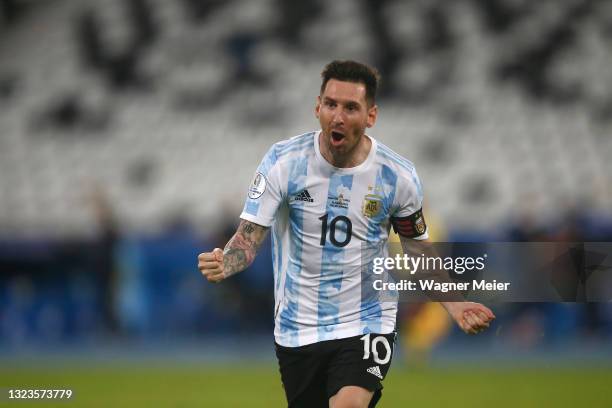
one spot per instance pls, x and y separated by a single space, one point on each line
325 194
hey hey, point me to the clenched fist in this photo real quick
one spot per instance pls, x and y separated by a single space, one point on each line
471 317
211 265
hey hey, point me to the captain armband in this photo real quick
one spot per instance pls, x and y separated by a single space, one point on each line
411 226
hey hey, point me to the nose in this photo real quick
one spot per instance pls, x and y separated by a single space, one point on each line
338 118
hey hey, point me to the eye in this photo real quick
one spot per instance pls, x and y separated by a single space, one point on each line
330 104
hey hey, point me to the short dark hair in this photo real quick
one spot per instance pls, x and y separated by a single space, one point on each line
352 71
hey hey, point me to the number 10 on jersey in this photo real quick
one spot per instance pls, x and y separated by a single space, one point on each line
332 230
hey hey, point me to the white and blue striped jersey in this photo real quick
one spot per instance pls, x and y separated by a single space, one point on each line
320 216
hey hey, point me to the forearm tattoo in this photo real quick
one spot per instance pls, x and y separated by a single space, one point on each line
240 251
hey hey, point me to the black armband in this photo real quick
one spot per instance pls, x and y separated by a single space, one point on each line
411 226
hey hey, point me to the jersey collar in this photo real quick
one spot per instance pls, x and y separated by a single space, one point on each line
345 170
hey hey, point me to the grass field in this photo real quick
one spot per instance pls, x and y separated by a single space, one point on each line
255 386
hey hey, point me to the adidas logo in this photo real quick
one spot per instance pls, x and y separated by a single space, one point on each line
303 196
375 371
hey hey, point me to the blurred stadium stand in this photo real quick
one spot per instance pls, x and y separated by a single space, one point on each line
165 108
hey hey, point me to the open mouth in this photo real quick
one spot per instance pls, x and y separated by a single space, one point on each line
337 136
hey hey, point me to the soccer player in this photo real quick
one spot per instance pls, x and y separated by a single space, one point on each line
323 194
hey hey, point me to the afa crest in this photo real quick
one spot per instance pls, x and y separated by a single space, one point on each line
372 205
419 225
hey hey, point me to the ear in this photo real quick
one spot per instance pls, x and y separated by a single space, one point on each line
318 106
372 115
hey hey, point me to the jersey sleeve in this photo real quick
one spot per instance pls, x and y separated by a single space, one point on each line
408 220
264 194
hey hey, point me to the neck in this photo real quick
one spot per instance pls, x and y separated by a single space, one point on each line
352 158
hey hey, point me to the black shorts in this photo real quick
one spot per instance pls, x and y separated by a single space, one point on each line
314 373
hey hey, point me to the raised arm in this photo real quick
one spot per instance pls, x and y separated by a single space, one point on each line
471 317
238 254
